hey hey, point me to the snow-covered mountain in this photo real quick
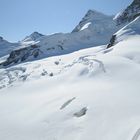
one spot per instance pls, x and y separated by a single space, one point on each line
95 21
6 47
74 89
94 29
129 14
33 37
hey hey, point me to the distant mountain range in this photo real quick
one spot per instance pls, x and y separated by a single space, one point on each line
93 30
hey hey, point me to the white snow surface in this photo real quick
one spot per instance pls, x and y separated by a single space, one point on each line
91 94
85 26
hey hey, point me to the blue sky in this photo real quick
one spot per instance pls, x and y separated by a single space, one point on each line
19 18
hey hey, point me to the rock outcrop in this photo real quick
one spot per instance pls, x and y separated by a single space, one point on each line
22 55
129 14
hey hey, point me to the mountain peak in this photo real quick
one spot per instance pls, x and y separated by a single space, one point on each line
32 37
92 12
91 17
36 33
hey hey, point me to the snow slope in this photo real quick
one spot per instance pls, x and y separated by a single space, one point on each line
92 94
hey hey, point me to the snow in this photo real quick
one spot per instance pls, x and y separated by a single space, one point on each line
77 88
33 37
117 15
98 26
98 91
95 29
85 26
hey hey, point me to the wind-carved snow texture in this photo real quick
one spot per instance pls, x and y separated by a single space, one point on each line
36 70
90 62
137 135
11 75
67 103
56 67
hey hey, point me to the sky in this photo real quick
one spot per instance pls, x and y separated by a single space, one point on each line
19 18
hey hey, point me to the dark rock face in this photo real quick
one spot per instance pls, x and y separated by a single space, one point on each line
22 54
112 41
130 13
1 38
